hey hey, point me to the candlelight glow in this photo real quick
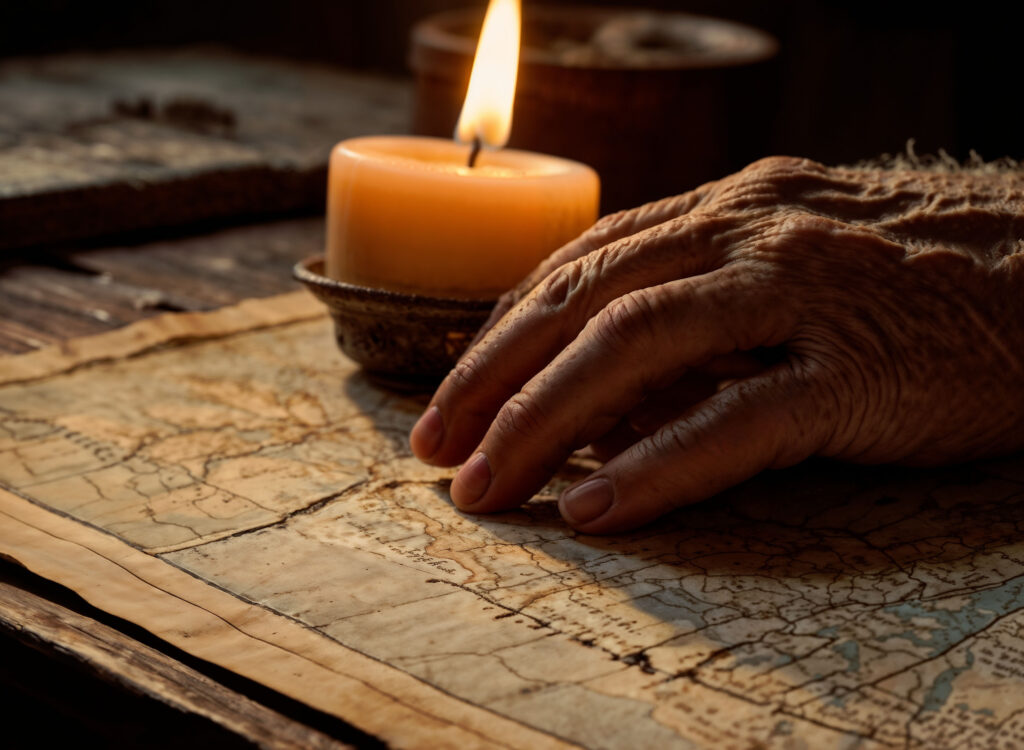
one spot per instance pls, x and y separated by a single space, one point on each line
487 110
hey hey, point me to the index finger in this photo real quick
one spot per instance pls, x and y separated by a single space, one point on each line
605 231
550 317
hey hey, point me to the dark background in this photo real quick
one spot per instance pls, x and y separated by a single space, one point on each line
853 80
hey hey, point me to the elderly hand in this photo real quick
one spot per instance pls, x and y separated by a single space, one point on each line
789 310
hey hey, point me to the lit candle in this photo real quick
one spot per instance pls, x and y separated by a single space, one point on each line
411 214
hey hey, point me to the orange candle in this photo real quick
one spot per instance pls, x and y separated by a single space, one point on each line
406 213
410 213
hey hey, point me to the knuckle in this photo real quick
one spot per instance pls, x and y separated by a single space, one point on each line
625 320
796 236
772 182
633 245
560 287
521 416
571 286
468 371
608 263
799 223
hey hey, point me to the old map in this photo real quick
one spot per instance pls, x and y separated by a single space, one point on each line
232 483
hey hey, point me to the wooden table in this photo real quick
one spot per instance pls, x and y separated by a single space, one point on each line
60 657
164 150
91 676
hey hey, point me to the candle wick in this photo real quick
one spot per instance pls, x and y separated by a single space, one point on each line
474 152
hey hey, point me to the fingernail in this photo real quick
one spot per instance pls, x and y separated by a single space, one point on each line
472 481
426 435
587 500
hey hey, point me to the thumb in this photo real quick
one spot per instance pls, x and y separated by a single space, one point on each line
771 420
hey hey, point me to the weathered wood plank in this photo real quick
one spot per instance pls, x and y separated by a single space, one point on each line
213 269
97 144
17 338
87 291
25 306
117 658
78 294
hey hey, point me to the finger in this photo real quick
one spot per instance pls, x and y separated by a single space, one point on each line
734 365
663 406
605 231
616 440
653 411
606 372
549 318
771 420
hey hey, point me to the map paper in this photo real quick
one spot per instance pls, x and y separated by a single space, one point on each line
233 483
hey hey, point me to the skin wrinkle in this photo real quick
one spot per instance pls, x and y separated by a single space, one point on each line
557 290
574 283
789 310
796 387
521 416
829 397
871 356
625 320
826 365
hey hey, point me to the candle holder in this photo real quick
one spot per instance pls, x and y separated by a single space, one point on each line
406 341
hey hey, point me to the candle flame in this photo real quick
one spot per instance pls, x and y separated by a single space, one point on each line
487 111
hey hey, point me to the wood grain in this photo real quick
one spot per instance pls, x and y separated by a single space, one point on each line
138 668
50 297
92 145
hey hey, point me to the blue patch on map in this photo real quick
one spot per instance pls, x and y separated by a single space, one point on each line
954 627
849 650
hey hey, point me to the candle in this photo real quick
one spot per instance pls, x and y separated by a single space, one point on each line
408 214
412 214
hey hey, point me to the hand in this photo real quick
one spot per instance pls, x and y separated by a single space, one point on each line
789 310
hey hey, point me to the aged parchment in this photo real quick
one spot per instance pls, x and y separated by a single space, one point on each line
230 482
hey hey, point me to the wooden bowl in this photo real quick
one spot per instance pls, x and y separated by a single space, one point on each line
406 341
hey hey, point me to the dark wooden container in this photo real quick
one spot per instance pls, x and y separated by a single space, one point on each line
656 102
408 342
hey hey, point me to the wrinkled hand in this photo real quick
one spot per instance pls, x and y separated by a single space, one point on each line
789 310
